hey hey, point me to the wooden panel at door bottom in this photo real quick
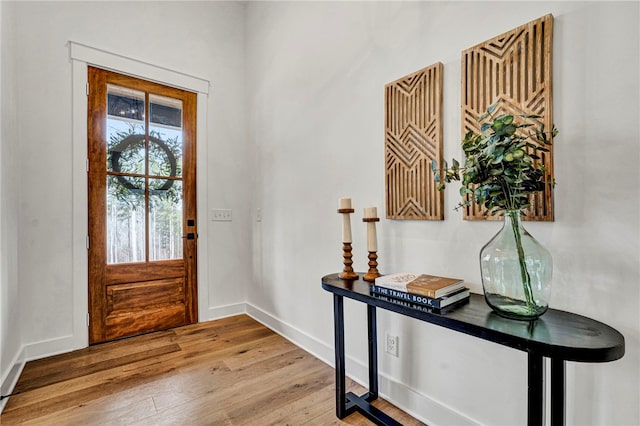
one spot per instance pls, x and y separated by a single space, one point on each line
144 321
150 294
131 272
135 308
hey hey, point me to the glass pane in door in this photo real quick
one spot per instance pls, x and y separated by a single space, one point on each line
125 130
126 166
144 176
165 219
126 219
165 195
165 136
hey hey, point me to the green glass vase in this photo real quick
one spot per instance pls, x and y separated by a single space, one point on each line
516 271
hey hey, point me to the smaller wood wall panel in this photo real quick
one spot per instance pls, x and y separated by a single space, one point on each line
413 138
514 67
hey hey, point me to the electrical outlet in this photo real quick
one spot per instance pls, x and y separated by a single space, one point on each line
221 215
392 346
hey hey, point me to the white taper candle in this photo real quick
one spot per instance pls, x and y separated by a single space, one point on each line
372 239
346 227
345 203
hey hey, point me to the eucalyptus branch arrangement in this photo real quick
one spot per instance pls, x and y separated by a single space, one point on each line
500 170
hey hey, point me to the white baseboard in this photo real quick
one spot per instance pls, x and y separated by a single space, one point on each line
8 382
219 312
422 407
51 347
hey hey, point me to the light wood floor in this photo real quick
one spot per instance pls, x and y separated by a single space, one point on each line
232 371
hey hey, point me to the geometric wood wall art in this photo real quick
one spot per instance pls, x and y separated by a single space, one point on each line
514 67
413 138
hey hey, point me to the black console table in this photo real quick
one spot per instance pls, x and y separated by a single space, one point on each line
558 335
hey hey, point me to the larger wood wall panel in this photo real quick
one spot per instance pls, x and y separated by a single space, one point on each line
515 68
413 138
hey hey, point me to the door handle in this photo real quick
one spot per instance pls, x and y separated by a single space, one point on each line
190 236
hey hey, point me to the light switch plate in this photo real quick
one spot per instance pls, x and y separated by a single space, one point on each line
221 215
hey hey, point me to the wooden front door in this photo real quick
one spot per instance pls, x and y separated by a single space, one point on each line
142 206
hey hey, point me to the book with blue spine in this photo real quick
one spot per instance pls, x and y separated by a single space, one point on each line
418 299
424 308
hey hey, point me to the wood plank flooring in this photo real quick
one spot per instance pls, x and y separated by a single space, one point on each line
232 371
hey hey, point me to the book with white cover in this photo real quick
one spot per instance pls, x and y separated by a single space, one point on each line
397 281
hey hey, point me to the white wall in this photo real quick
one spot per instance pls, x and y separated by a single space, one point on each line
10 336
316 73
197 38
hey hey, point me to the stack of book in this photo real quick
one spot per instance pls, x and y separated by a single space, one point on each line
421 289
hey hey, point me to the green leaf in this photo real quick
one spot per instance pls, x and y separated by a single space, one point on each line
498 159
501 163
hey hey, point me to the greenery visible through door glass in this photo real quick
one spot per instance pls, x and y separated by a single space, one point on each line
165 152
125 147
143 164
165 220
125 221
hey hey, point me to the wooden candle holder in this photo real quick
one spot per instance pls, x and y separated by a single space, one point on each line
347 273
373 273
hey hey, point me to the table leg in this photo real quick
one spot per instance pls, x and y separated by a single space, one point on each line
338 324
557 392
535 394
347 403
373 353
